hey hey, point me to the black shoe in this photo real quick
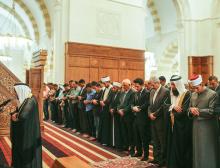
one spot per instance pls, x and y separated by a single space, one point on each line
154 162
144 158
136 155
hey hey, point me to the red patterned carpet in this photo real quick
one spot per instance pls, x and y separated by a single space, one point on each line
59 142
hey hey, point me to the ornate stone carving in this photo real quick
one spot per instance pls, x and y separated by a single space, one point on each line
8 79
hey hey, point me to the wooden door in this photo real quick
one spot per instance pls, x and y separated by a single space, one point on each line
34 78
200 65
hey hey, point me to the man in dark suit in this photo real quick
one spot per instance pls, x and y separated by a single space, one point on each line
158 98
81 107
96 103
214 85
127 117
141 125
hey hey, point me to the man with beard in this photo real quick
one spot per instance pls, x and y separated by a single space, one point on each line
25 130
179 126
116 138
141 125
104 125
205 125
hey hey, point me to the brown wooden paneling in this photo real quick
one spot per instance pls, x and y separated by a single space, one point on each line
94 74
77 61
113 73
109 63
92 62
77 73
200 65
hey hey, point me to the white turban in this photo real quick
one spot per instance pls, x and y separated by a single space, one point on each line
105 79
117 84
195 80
23 92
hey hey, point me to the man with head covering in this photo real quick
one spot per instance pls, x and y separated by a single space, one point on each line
116 134
105 118
205 129
179 126
25 130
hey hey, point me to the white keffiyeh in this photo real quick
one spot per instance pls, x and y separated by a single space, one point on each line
23 92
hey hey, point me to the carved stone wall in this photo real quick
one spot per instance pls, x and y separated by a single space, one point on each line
7 81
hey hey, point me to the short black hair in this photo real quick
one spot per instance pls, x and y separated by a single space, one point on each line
70 81
82 81
98 85
139 81
213 78
65 85
162 78
88 85
93 83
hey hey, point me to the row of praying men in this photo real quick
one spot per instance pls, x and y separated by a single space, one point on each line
181 123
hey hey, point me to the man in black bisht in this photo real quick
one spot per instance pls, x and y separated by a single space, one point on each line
179 146
141 123
116 134
25 130
105 117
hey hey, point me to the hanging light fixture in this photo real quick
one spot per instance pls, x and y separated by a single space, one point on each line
11 40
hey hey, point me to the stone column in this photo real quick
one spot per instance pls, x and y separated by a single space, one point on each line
58 55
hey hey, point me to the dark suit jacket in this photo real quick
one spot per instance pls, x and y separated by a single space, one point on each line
126 105
217 105
157 107
115 101
97 107
142 100
83 94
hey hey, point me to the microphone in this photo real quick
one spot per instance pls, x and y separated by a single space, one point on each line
4 104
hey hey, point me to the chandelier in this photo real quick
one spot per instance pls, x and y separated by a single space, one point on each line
12 42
